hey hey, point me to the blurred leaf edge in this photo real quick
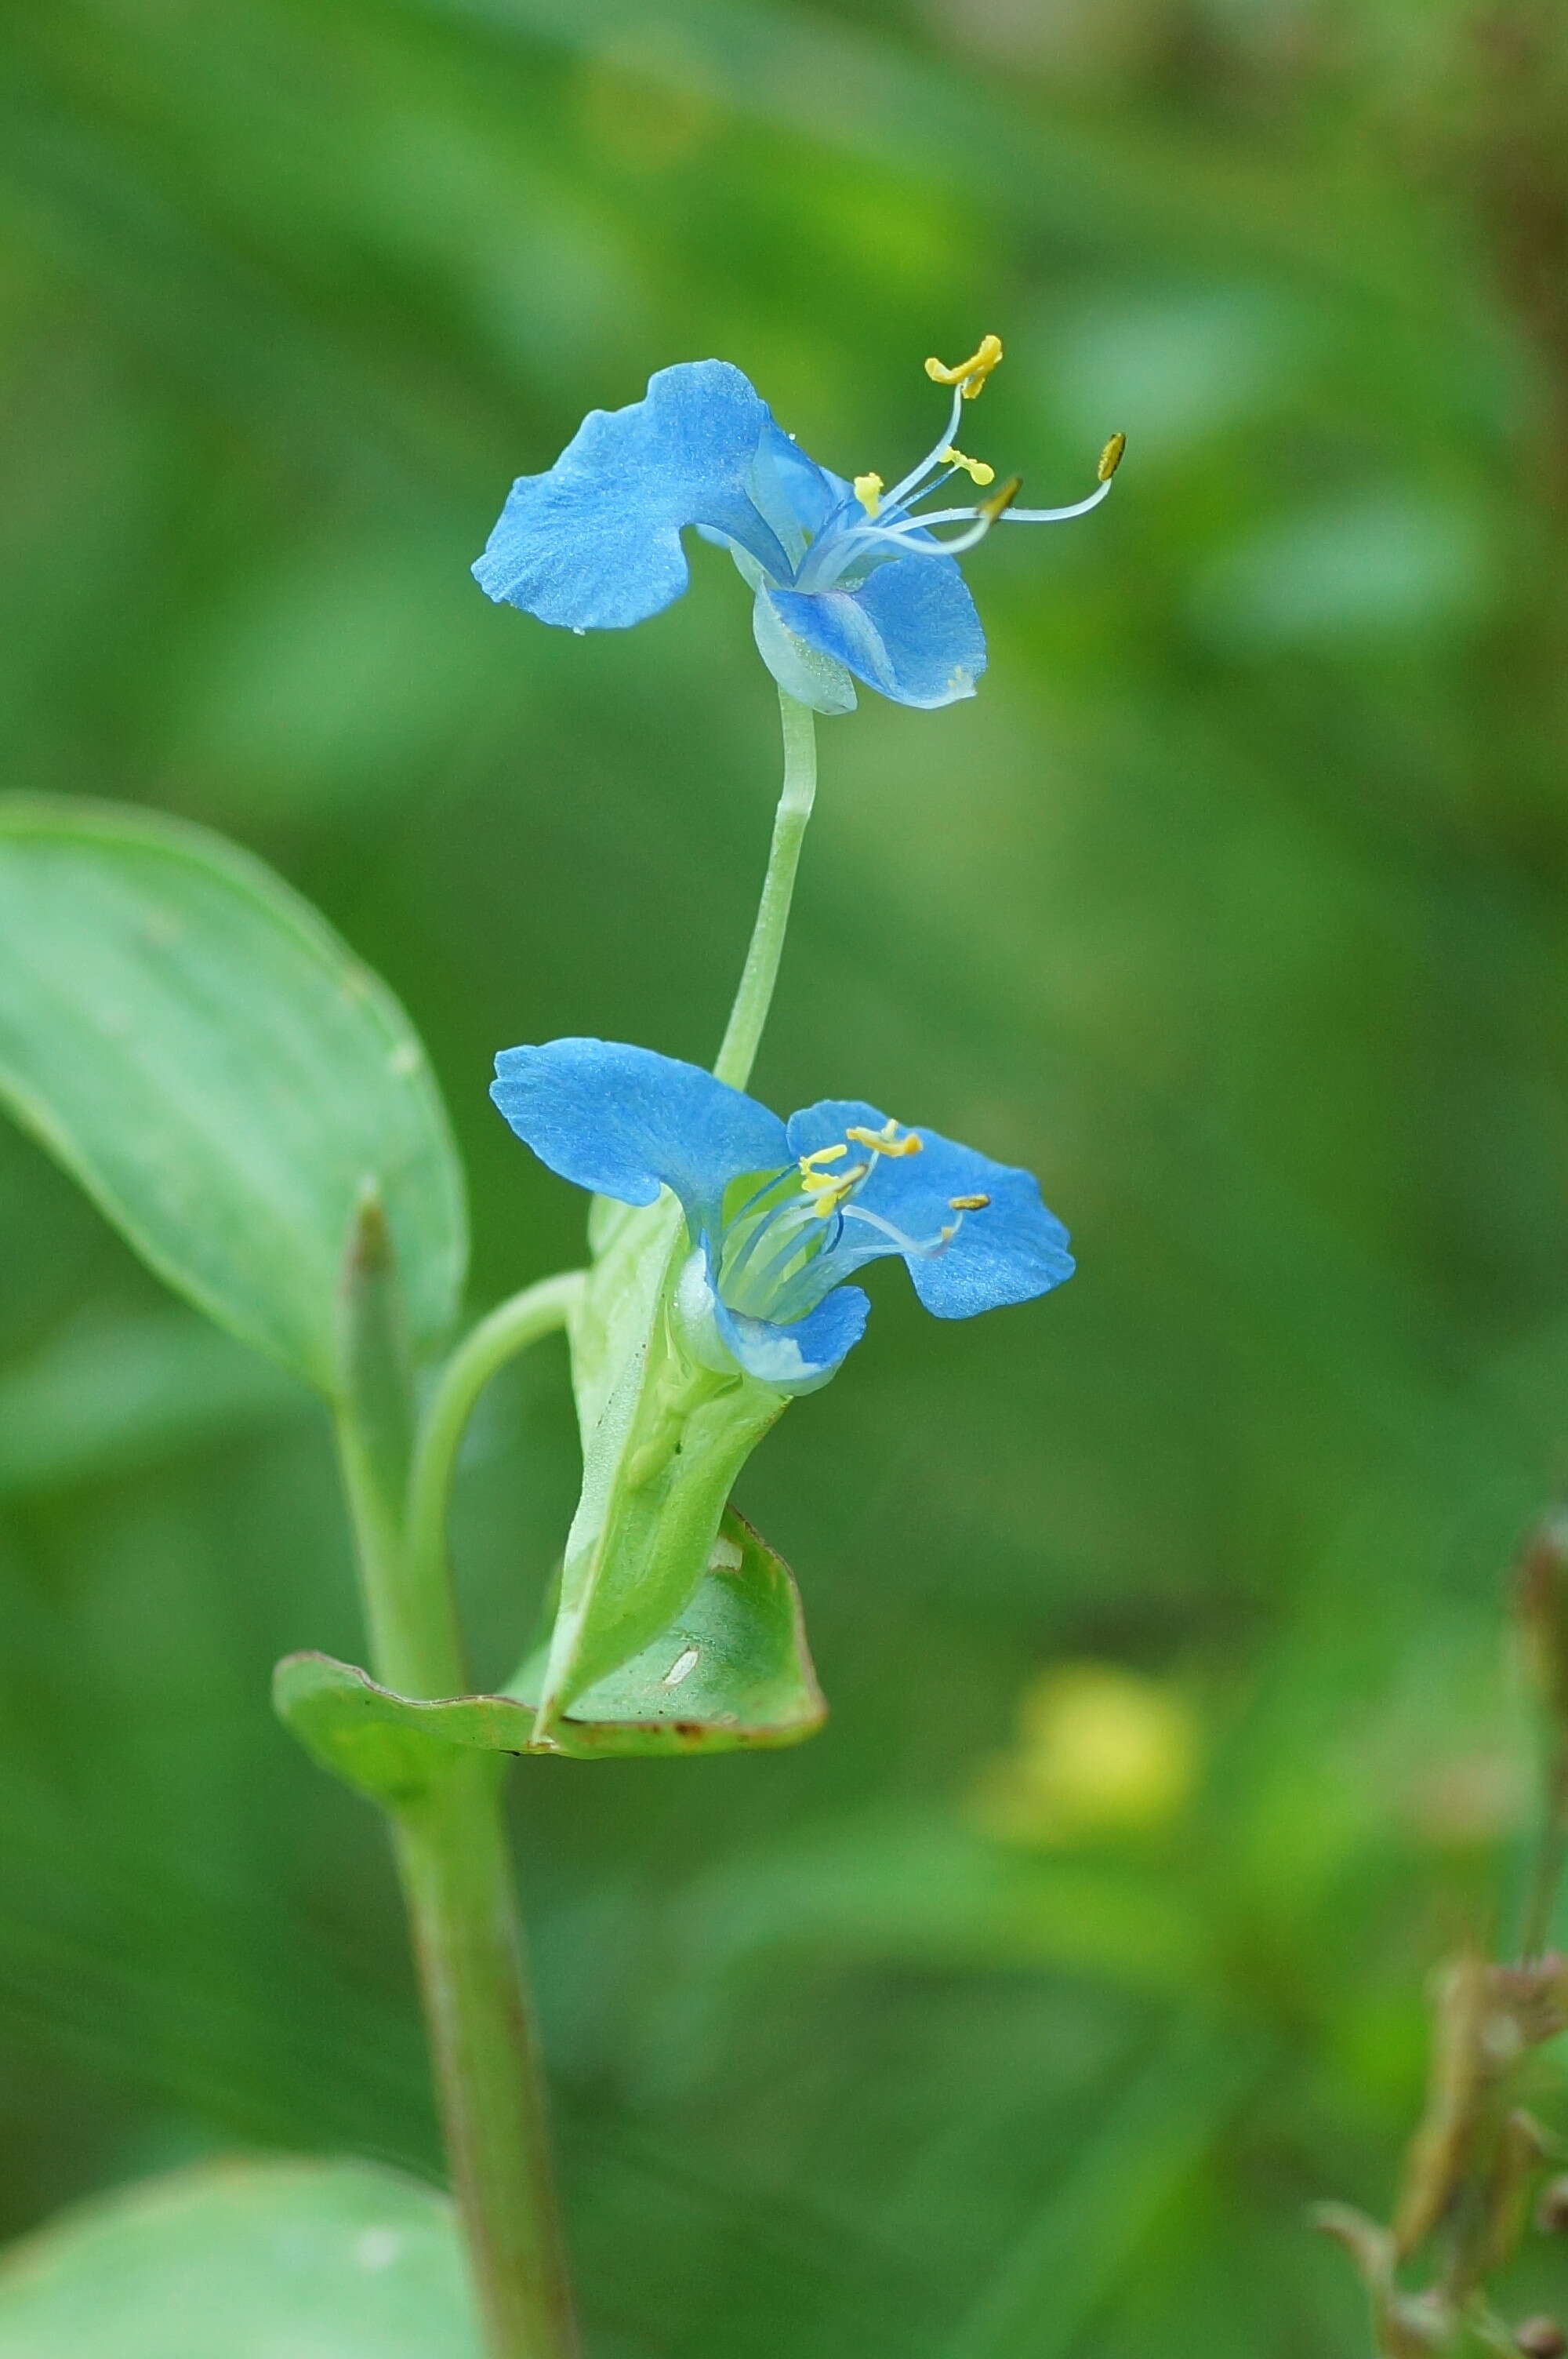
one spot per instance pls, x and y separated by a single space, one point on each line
422 1172
266 2247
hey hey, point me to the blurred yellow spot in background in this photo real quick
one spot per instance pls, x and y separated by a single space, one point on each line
1101 1752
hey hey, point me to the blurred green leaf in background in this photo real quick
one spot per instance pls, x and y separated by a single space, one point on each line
1235 906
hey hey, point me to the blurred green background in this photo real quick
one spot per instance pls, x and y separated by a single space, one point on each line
1021 2014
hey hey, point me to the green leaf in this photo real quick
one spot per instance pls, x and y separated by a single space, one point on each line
244 2260
223 1076
748 1682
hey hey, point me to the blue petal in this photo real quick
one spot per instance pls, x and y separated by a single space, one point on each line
595 543
1011 1251
795 1357
909 630
623 1122
802 671
801 1356
792 494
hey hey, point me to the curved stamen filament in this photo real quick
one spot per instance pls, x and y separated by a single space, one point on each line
757 1197
753 1283
902 489
907 1244
1059 516
736 1259
904 540
918 523
836 553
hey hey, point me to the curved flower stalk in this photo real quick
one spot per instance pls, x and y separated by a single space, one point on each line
851 581
724 1291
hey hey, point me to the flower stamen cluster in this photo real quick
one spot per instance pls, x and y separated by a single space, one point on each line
779 1215
767 1251
842 551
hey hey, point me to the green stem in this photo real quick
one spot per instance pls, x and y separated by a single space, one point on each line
457 1882
754 995
538 1311
449 1837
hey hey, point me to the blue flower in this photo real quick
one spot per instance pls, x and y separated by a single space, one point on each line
779 1215
850 578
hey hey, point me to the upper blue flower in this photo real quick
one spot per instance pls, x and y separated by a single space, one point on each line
848 577
780 1214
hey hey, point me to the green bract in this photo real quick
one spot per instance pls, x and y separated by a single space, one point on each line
662 1441
731 1672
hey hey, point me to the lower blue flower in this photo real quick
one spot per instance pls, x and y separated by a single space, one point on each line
851 581
779 1215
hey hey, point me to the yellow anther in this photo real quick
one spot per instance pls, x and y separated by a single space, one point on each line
813 1182
999 500
970 374
976 469
828 1189
869 491
968 1203
1111 457
823 1155
886 1141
